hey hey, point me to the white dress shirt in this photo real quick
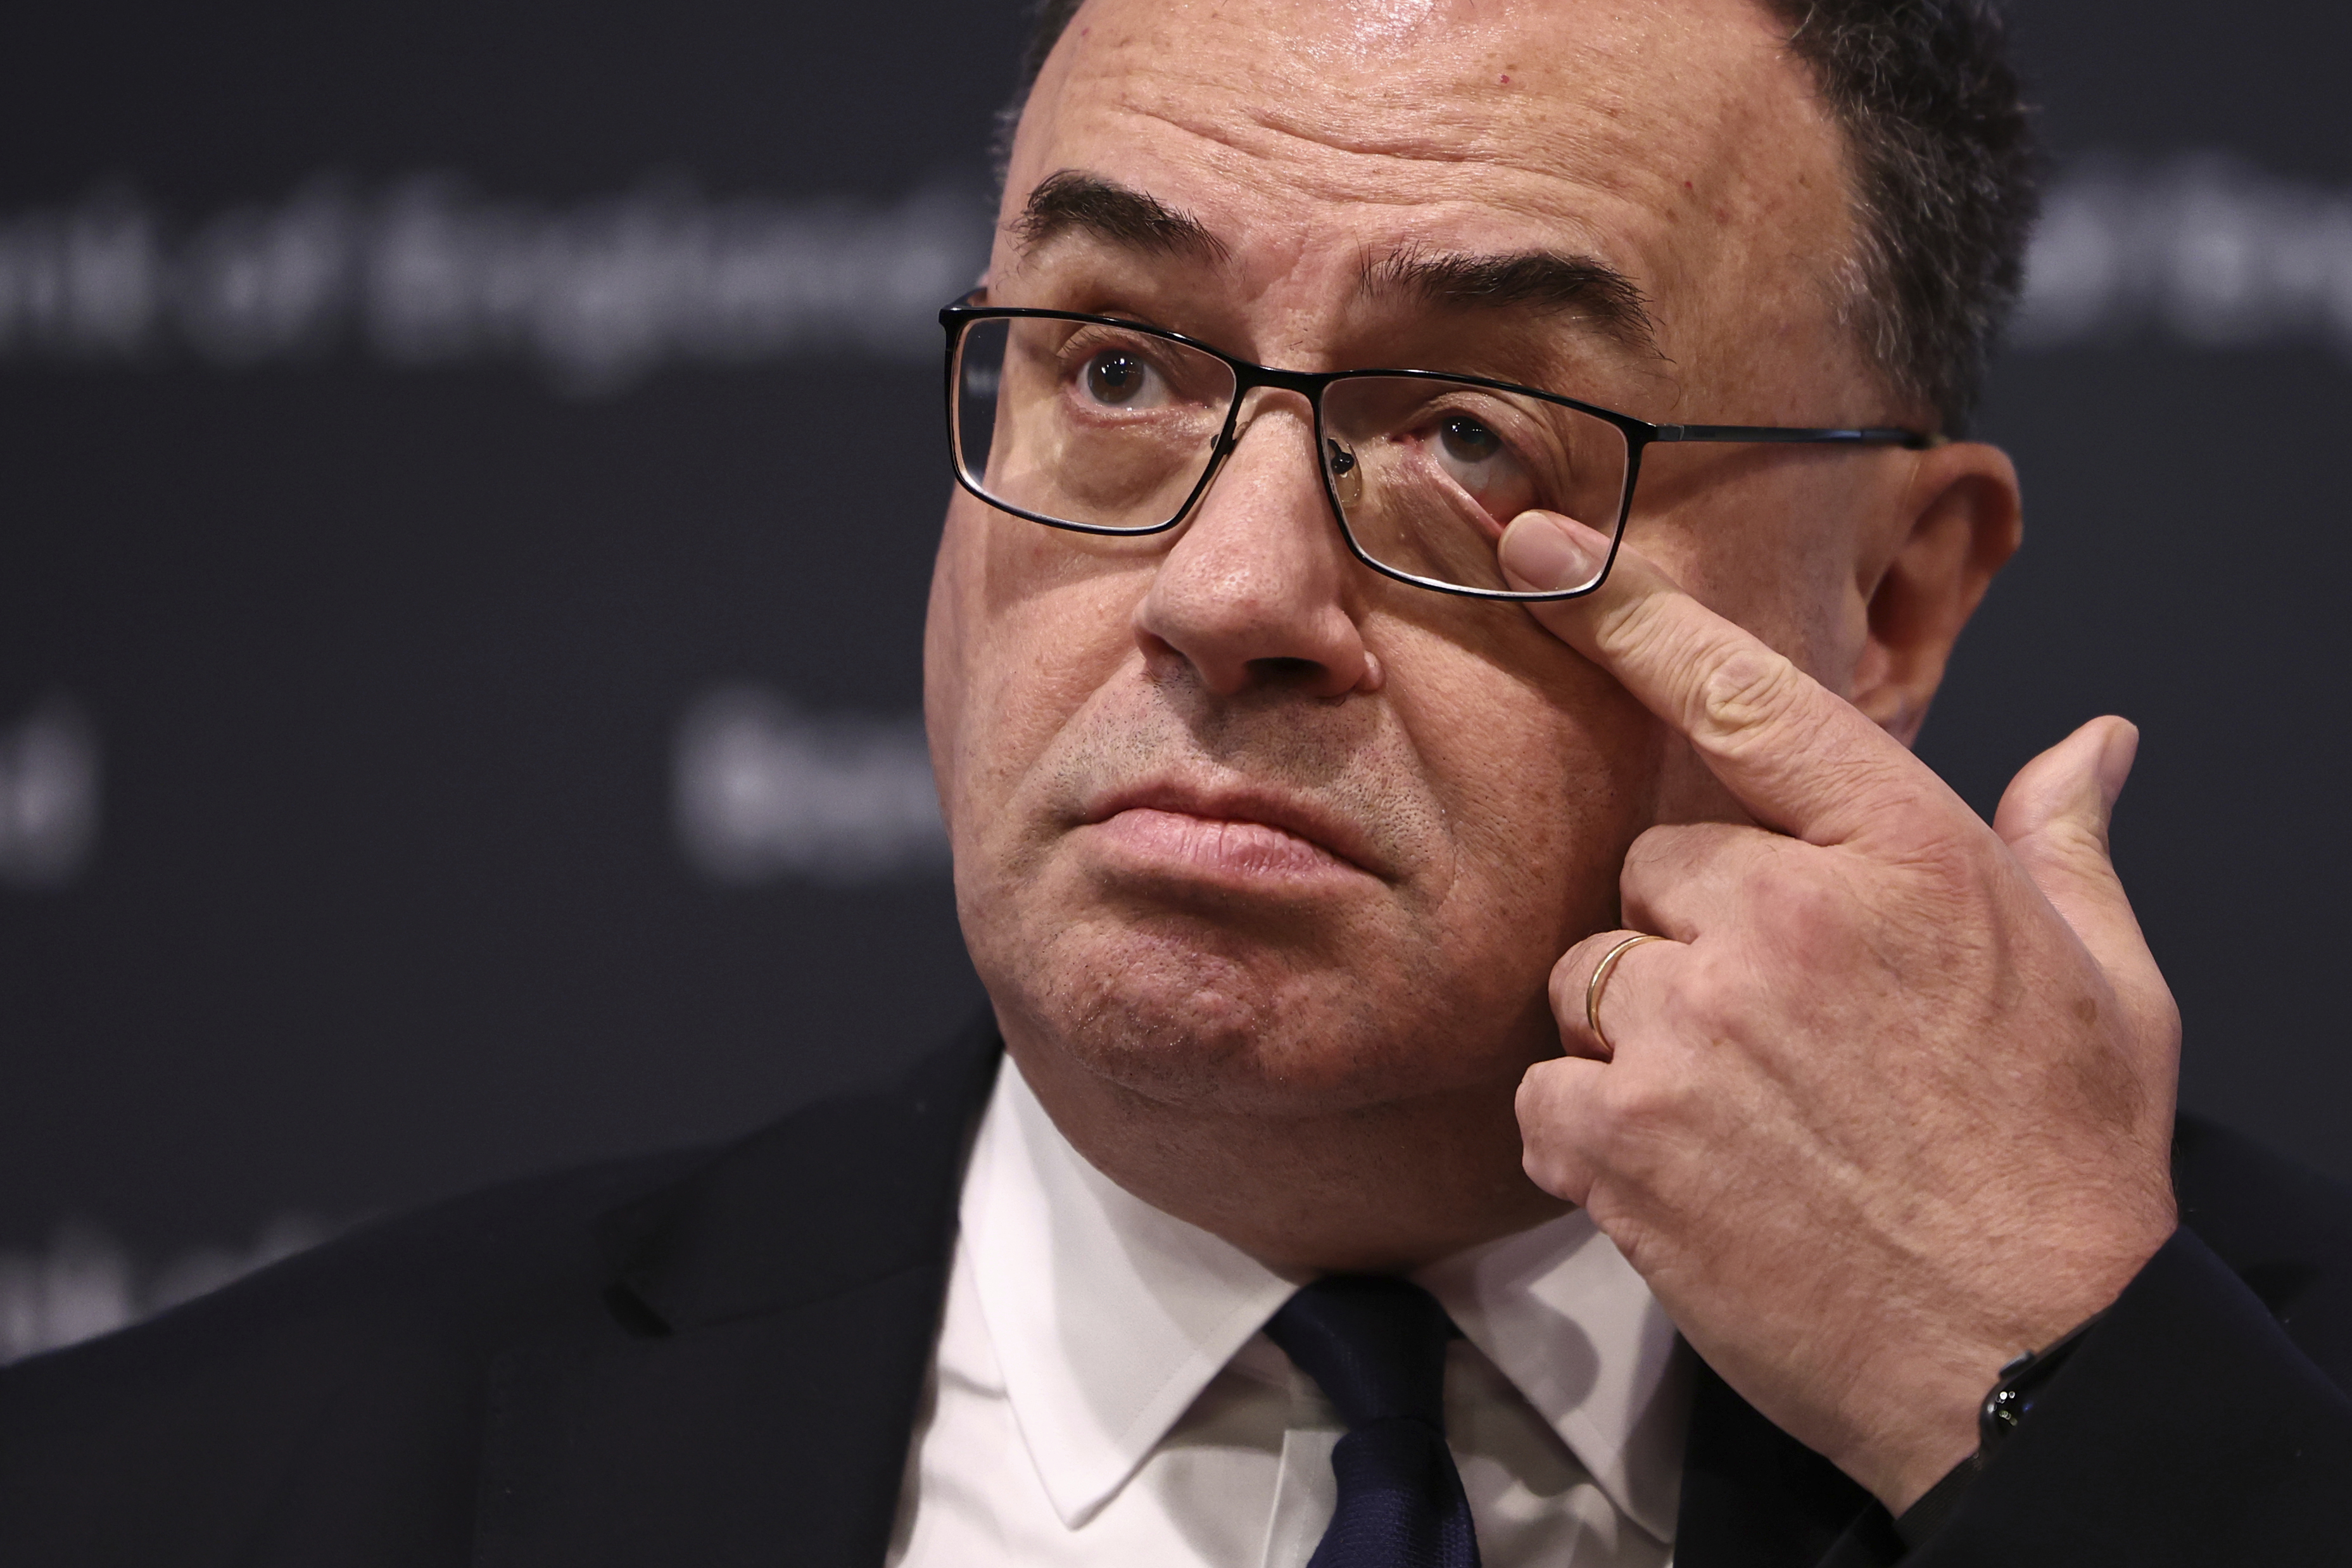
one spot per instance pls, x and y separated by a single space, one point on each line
1101 1395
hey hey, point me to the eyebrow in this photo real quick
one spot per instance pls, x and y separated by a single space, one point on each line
1542 280
1075 202
1072 201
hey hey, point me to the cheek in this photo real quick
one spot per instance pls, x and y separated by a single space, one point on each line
1547 770
1022 630
1774 549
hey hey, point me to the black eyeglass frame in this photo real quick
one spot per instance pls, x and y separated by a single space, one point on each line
1640 434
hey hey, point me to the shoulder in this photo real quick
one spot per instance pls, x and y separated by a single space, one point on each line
463 1269
348 1376
356 1377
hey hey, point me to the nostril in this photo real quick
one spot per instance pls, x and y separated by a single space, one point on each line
1286 671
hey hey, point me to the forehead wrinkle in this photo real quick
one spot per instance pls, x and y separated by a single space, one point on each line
1549 169
1447 122
1585 115
1730 264
1356 187
1487 147
1618 305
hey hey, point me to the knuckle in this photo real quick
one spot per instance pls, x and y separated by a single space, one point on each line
1554 1175
1639 1107
1795 899
1639 619
1716 1002
1642 1123
1942 858
1750 691
1549 1150
1569 978
1654 849
1817 904
1550 1104
1668 849
1561 987
1534 1092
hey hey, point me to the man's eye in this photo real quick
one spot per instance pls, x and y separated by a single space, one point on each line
1467 441
1470 452
1117 377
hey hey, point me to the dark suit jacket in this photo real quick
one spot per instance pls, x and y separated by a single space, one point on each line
714 1361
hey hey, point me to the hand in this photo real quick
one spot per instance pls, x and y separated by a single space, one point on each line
1895 1102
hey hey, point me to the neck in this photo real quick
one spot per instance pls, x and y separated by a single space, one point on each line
1380 1189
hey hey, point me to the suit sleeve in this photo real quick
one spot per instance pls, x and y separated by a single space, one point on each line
2188 1428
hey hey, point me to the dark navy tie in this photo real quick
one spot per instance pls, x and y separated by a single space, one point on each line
1377 1348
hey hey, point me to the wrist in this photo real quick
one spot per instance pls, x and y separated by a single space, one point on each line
1932 1450
1931 1479
1941 1417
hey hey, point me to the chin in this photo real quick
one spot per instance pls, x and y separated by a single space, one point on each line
1179 1013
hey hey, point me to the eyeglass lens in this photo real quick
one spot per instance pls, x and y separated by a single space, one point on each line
1112 429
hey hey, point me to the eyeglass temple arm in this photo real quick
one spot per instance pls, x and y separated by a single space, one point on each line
1787 435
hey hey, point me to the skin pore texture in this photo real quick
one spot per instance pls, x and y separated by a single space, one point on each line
1266 860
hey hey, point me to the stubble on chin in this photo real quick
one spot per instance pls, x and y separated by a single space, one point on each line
1248 1006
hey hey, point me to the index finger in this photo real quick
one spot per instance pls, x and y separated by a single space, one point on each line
1797 756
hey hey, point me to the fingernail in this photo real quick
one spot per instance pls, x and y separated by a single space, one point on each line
2115 758
1540 551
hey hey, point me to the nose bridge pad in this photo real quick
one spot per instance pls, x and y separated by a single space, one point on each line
1346 473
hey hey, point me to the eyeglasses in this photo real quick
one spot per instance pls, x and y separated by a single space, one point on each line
1105 427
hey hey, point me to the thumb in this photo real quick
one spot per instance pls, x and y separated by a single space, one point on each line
2054 817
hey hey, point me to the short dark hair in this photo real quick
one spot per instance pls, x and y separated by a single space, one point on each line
1946 177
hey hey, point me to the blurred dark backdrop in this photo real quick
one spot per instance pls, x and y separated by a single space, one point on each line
469 476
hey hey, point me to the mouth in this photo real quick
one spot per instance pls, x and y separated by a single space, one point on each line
1244 834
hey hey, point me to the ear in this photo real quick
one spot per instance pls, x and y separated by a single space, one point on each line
1961 519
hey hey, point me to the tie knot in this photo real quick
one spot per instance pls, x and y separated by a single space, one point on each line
1375 1345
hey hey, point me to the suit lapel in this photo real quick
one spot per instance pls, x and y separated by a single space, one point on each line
745 1392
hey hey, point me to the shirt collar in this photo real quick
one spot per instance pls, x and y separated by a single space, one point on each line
1561 1313
1110 1316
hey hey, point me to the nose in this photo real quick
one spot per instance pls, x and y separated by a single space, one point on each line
1259 590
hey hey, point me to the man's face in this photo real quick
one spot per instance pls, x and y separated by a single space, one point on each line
1239 824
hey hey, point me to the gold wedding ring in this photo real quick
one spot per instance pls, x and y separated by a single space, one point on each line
1600 972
